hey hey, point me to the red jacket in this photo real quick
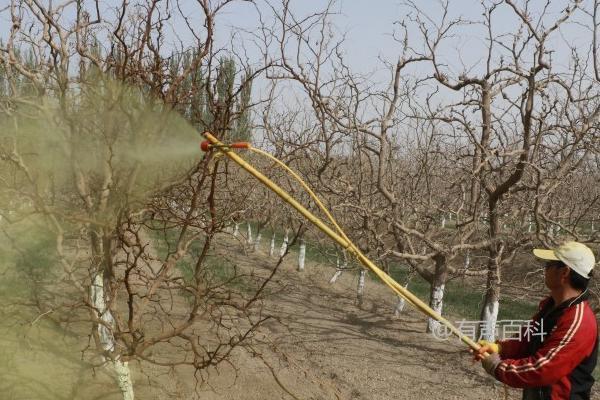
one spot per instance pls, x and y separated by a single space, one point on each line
559 365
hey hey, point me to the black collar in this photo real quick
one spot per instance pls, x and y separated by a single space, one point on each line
550 307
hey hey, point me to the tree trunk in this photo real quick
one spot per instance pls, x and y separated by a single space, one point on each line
99 299
284 244
399 306
489 318
401 301
335 276
101 245
436 302
236 229
272 247
301 255
124 379
361 287
489 310
248 233
257 241
338 270
436 296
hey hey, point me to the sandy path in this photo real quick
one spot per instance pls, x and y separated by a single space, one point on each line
334 349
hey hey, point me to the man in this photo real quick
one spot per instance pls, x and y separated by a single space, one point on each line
557 362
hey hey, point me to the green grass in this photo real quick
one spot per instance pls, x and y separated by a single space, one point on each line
461 300
216 269
315 252
516 309
318 253
31 256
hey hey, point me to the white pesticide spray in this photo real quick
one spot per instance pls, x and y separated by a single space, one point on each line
69 170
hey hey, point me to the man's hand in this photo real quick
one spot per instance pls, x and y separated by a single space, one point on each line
486 347
489 361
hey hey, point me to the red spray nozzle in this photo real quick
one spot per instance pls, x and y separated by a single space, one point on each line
206 145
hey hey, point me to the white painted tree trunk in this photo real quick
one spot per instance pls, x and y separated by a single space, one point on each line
437 298
272 247
335 276
99 299
249 234
124 379
301 255
284 244
360 290
490 317
338 270
467 260
236 230
257 241
443 221
401 302
399 306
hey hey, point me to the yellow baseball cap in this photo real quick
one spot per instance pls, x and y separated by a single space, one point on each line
575 255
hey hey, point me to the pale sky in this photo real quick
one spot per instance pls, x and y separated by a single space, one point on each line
369 25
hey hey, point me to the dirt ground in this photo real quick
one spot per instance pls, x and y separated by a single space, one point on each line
318 345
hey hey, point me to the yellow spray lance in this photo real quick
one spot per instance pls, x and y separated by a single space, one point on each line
339 236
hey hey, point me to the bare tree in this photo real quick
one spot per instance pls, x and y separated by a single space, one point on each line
398 162
515 93
110 184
